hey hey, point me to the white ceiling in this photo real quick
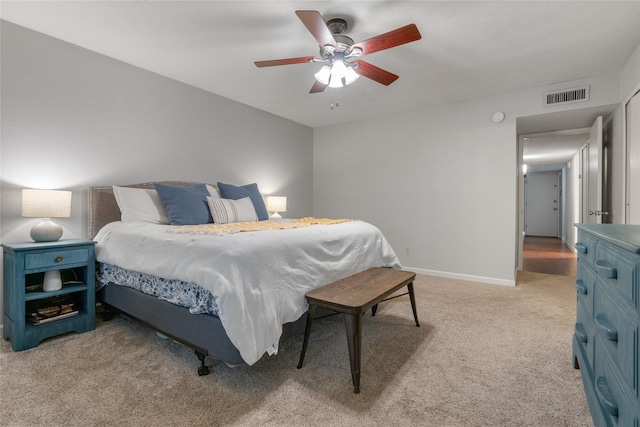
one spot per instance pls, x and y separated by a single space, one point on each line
550 152
468 49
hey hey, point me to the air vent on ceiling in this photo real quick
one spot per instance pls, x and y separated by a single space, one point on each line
566 96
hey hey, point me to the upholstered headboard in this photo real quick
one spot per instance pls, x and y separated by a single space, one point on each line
103 208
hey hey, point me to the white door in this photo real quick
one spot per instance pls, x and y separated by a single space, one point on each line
594 174
633 160
541 203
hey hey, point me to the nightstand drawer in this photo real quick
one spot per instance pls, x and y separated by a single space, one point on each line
616 268
55 258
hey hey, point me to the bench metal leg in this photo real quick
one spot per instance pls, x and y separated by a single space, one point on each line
353 324
307 332
413 303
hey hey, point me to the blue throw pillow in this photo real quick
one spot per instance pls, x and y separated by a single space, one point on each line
185 205
251 191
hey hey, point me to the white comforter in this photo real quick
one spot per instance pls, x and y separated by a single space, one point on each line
259 278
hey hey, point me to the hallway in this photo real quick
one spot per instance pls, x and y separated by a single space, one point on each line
548 255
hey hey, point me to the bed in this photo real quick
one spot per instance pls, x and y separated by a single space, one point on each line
255 280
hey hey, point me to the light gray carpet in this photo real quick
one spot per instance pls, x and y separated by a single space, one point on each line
485 355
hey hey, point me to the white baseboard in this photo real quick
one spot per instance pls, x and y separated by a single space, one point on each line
570 246
457 276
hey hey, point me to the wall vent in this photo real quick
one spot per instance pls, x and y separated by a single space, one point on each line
566 96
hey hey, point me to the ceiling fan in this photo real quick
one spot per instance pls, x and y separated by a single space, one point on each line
339 52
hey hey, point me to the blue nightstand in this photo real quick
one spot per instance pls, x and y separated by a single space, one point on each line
24 267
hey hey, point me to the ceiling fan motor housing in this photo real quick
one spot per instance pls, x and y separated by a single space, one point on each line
337 26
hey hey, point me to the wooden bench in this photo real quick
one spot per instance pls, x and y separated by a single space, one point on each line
353 296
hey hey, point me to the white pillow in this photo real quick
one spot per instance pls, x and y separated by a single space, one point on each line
213 190
225 211
140 205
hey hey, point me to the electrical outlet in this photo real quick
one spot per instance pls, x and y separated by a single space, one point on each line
407 250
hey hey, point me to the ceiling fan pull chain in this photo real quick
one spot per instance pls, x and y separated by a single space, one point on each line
335 104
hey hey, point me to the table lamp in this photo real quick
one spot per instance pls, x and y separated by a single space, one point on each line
276 204
46 204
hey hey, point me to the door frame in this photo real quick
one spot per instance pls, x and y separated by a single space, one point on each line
629 170
520 176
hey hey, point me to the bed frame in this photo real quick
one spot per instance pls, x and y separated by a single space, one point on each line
201 332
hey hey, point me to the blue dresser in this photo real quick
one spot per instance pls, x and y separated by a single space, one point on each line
605 342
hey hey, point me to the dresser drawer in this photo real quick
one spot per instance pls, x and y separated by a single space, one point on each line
618 269
55 258
585 333
618 332
616 400
586 247
585 284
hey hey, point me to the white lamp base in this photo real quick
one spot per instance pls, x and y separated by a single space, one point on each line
52 281
276 215
46 231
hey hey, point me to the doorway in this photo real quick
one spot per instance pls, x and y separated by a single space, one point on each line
559 124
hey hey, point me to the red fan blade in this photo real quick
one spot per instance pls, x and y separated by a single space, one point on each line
375 73
407 34
288 61
317 87
316 26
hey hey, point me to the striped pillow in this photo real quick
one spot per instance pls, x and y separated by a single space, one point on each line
225 211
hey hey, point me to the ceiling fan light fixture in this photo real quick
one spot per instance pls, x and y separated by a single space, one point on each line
338 74
324 75
350 75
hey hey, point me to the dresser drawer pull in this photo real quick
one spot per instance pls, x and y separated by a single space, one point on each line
59 258
581 287
608 330
605 397
581 248
580 334
605 271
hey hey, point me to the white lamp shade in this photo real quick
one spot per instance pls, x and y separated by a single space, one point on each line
323 75
338 70
277 203
46 203
351 75
338 74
